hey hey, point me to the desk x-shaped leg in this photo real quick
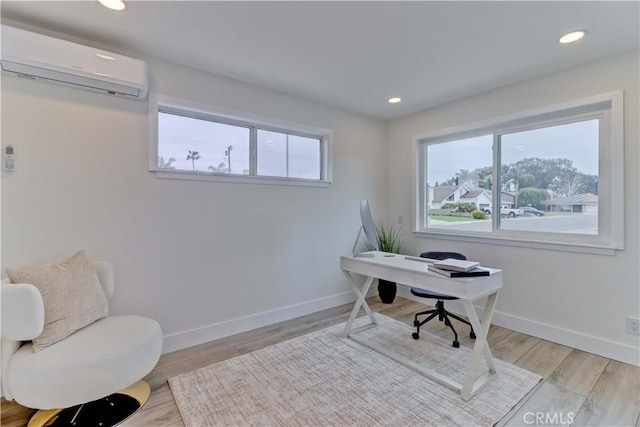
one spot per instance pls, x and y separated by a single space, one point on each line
361 302
480 348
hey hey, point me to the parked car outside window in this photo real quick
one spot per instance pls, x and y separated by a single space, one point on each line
529 210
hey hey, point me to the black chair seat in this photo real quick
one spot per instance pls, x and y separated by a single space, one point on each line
426 294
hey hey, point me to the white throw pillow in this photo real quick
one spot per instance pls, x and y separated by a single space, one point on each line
72 295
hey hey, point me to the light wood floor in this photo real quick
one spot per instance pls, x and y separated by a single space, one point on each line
581 387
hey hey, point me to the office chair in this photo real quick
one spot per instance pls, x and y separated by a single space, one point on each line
443 315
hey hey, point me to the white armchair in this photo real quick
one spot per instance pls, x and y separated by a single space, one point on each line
96 361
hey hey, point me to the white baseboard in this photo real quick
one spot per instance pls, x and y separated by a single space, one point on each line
600 346
189 338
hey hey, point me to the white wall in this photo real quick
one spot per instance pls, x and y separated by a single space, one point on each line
577 299
209 259
205 259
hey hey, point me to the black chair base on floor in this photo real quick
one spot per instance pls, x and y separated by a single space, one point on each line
442 314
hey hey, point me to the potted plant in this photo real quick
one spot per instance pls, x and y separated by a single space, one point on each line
388 237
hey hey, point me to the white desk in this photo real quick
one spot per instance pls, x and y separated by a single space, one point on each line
412 273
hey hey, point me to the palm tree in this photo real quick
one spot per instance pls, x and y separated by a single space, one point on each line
166 165
516 177
228 154
221 168
486 182
193 156
463 176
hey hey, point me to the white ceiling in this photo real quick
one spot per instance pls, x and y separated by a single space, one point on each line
354 55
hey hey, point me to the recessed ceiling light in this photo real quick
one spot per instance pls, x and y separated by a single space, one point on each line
394 100
573 36
113 4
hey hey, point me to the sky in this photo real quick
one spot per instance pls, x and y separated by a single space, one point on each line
178 135
218 143
576 141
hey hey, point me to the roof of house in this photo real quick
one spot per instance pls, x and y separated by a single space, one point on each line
473 194
578 199
467 193
441 192
507 198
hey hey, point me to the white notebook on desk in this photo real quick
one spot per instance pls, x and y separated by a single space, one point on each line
456 264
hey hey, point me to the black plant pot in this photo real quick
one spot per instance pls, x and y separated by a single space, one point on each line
387 291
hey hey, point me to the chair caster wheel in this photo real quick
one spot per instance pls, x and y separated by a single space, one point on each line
416 322
415 335
456 344
472 335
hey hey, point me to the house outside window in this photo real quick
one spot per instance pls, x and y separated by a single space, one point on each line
552 176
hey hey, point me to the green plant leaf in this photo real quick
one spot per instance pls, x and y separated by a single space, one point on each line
388 237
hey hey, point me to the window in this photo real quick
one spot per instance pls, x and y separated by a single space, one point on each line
191 143
200 145
287 155
551 178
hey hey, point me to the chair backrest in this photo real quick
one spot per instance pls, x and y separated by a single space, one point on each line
442 255
31 315
105 274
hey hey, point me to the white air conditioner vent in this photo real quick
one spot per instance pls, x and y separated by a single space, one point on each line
33 55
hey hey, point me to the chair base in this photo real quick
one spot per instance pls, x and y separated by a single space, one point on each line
443 316
106 412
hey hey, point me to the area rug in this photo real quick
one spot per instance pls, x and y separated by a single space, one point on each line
323 379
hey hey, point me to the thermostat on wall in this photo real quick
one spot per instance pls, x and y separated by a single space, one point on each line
9 158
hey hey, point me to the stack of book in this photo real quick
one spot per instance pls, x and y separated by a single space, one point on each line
452 267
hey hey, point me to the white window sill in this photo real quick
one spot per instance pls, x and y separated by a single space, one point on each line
522 242
240 179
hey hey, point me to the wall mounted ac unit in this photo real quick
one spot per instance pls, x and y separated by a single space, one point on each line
33 55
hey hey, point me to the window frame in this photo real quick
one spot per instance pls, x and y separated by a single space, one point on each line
165 104
610 235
